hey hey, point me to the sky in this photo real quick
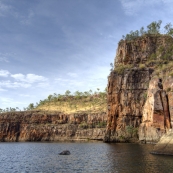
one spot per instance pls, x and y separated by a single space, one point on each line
50 46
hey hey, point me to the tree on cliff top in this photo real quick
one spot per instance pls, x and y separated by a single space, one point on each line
169 29
152 28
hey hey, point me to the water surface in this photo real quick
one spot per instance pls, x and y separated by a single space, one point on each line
85 157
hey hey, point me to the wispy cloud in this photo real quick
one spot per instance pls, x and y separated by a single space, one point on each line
4 59
72 74
9 84
1 89
26 20
29 78
9 101
132 7
26 95
4 8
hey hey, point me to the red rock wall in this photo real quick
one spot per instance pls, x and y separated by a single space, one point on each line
127 93
46 126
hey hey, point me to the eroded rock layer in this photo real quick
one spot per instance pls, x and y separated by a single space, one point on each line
46 126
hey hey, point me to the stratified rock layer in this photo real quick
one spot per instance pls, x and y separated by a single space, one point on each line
129 106
46 126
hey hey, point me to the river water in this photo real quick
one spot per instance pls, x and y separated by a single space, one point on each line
85 157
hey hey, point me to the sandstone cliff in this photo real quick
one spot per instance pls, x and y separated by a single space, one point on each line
47 126
139 105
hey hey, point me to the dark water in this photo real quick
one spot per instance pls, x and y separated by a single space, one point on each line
85 157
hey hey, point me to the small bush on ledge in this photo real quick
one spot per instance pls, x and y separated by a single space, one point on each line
119 69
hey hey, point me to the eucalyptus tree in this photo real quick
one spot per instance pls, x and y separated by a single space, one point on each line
169 29
67 93
30 106
154 27
142 31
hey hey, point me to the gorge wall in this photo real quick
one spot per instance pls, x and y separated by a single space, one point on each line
139 101
51 126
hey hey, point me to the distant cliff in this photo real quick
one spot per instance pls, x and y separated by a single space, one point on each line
140 90
51 126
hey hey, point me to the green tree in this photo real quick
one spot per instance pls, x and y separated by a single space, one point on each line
154 27
67 93
50 97
142 31
169 29
30 106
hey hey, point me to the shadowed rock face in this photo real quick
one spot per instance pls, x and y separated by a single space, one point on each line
165 145
46 126
131 102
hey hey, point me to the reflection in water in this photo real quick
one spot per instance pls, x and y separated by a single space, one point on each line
85 157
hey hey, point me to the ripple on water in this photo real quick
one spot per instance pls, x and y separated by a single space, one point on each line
85 157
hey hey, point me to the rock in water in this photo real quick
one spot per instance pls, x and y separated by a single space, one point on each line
65 152
165 145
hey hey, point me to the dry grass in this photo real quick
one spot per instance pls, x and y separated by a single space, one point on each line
94 105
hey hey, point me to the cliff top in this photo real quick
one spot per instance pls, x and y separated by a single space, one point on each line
146 49
79 102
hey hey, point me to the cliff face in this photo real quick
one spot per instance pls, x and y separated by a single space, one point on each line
137 103
157 112
46 126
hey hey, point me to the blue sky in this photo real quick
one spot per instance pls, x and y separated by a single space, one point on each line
50 46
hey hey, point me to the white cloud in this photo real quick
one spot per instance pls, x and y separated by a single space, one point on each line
29 78
4 73
21 80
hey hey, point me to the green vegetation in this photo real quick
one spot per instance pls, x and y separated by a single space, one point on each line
132 131
9 109
141 66
88 101
161 59
145 96
121 68
152 29
84 125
